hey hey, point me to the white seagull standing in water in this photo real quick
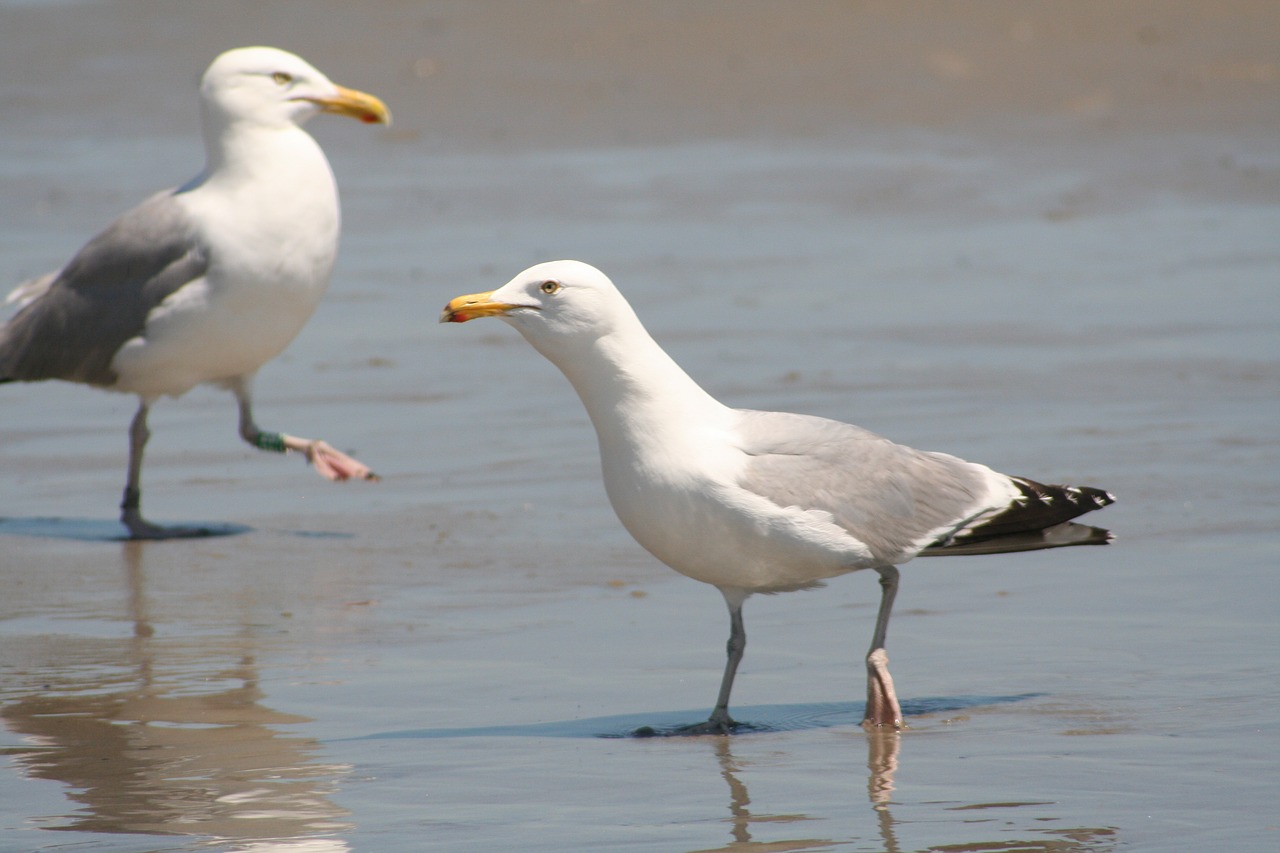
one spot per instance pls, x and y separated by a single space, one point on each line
208 282
766 502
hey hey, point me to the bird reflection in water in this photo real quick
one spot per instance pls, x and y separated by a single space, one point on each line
169 736
741 816
883 747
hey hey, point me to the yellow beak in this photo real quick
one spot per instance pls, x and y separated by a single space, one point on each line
349 102
474 305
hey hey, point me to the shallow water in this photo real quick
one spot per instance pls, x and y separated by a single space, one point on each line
1044 239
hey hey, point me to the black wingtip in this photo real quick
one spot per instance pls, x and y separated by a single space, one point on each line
1067 534
1039 517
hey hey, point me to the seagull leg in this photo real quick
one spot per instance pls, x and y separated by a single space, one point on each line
131 505
332 464
882 701
720 723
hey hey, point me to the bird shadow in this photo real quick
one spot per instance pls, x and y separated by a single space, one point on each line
97 529
105 530
754 719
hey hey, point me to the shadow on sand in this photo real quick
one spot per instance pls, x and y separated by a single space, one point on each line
94 529
753 719
109 530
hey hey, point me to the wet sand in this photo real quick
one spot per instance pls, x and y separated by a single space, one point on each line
1038 236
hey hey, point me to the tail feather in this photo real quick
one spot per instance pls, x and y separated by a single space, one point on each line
1062 535
1040 517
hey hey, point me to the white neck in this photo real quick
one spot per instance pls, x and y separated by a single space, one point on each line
259 184
632 390
241 153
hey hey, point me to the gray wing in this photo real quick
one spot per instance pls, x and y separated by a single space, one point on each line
102 297
894 499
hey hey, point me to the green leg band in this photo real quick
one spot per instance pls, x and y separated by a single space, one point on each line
269 441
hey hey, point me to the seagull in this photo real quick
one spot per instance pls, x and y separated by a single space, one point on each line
207 282
764 502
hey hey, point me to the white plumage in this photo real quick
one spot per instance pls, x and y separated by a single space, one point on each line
752 501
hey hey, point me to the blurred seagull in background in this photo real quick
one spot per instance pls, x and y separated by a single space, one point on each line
208 282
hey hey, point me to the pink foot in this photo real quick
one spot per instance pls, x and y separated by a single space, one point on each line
332 464
882 699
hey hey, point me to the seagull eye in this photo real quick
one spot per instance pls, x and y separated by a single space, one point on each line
282 77
549 287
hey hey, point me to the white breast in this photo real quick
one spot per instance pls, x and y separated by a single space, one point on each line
271 227
674 488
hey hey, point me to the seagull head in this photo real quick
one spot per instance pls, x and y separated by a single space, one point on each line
560 299
269 87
